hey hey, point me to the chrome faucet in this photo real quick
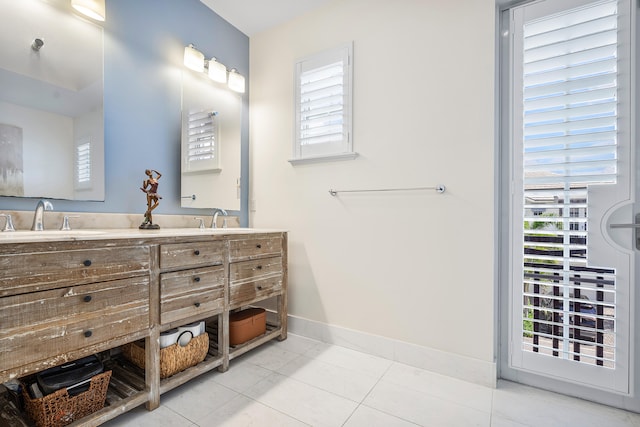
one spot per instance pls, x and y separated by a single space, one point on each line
217 211
38 216
8 225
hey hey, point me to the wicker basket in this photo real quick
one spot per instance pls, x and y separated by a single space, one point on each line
173 359
59 409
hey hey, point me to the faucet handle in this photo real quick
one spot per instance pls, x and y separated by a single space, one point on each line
8 225
65 222
201 224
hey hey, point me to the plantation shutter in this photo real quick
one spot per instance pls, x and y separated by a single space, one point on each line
570 125
323 104
570 65
202 141
83 164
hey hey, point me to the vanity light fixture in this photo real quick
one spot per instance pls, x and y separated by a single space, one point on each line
217 71
236 81
193 59
94 9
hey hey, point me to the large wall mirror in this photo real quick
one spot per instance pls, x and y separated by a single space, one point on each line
51 102
210 144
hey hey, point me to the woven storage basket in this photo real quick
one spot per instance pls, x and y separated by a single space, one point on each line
59 409
173 359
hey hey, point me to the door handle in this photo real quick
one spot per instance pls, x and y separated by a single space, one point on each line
635 227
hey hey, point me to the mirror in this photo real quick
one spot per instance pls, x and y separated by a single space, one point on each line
51 102
210 171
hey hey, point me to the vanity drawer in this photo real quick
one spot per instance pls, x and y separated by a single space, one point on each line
47 324
254 248
186 255
37 271
247 292
187 293
255 269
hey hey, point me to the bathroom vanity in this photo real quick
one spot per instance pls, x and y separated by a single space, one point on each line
66 295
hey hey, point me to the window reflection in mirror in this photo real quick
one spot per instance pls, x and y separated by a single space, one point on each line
51 94
210 143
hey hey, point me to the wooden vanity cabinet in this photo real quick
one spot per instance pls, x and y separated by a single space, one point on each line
63 300
193 287
63 323
258 274
60 302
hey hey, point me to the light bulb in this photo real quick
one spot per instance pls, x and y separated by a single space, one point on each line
94 9
193 58
236 81
217 71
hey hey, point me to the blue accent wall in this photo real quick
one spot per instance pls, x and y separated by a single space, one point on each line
144 45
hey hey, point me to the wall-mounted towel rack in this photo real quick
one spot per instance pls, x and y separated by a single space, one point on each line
439 189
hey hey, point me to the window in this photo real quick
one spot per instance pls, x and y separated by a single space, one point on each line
83 164
323 106
201 148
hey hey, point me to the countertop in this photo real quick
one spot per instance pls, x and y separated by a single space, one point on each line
28 236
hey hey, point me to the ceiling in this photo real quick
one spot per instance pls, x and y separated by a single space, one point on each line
254 16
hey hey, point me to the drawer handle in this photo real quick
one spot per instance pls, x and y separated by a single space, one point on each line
197 304
87 334
196 279
258 246
87 298
259 267
196 252
259 287
87 262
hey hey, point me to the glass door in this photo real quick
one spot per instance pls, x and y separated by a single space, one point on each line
572 179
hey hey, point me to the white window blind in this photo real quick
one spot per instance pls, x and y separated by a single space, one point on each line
202 141
570 119
83 163
323 104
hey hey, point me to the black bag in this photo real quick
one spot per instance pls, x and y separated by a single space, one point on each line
74 376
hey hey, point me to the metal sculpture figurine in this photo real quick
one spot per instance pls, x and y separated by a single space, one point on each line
150 186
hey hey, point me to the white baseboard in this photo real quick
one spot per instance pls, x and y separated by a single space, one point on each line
441 362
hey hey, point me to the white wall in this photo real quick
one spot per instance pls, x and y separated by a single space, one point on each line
414 266
44 146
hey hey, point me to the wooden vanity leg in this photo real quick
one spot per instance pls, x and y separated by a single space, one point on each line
223 340
282 298
152 368
282 314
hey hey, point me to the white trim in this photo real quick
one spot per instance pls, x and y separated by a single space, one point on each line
319 159
453 365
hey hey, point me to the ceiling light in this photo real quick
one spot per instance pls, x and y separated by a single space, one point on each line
217 71
193 58
236 81
94 9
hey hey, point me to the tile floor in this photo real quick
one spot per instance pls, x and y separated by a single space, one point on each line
302 382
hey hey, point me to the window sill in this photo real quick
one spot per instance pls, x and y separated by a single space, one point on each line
320 159
202 171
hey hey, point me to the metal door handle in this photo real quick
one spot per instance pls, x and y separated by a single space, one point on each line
635 227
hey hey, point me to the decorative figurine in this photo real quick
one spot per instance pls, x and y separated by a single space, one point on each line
150 186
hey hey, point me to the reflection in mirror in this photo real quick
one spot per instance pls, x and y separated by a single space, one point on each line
51 92
210 143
